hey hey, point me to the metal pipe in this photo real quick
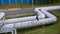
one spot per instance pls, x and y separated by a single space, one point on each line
14 32
24 19
51 19
2 14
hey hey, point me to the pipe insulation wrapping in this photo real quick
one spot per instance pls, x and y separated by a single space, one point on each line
51 19
50 7
2 14
31 18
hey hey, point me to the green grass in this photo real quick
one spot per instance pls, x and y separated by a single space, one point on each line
48 29
20 15
15 5
19 5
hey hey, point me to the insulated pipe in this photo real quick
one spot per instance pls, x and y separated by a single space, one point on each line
2 14
50 7
51 19
9 21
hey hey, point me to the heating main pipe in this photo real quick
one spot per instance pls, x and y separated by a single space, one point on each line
51 19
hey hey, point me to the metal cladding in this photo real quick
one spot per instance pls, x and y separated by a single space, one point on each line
41 12
2 14
24 19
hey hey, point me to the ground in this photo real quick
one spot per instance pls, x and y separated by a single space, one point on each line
48 29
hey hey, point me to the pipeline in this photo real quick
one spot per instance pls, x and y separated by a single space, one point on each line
24 19
2 14
51 19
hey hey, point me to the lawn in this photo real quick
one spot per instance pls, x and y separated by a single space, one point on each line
15 5
20 15
48 29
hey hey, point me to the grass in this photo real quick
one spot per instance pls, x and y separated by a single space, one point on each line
20 15
15 5
19 5
48 29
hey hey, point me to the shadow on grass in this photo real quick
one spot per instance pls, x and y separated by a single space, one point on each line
53 26
22 31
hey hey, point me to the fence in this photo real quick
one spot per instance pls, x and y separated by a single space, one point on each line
25 1
15 1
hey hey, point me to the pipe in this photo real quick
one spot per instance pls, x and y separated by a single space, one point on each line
2 14
6 30
24 19
51 19
14 31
